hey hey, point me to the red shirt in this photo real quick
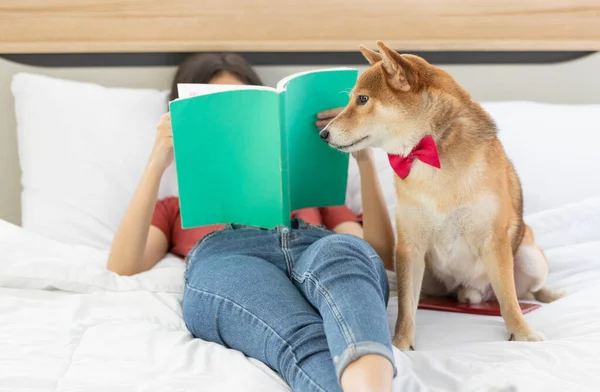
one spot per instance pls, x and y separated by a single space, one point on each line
166 217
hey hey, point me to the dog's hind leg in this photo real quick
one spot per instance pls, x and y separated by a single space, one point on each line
531 270
499 265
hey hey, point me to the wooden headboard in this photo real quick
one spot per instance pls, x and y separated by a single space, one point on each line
60 26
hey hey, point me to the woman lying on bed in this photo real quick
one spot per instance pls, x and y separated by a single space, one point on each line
308 301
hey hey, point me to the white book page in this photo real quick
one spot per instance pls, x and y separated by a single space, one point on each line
283 82
188 90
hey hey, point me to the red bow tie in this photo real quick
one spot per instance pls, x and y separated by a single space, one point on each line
425 151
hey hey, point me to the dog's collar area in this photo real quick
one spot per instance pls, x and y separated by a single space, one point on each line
425 151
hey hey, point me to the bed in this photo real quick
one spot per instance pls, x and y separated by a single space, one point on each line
66 324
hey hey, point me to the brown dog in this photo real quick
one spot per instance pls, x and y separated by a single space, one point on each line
460 226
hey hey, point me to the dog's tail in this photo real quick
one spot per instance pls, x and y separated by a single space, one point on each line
547 295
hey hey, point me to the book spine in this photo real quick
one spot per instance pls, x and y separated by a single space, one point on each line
285 164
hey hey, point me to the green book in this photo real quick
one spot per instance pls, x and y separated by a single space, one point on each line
251 155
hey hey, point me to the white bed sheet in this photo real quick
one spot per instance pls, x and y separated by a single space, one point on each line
66 324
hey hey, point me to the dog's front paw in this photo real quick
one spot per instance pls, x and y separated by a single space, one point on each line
529 336
403 343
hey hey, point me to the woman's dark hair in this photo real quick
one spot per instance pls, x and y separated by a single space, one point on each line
201 68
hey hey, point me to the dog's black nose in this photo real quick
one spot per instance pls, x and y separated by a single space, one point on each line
324 134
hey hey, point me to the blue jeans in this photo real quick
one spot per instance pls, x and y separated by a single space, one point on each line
305 301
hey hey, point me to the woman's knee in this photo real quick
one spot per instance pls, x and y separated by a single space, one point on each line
344 244
343 255
335 247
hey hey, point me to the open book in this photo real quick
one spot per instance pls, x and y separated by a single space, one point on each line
252 155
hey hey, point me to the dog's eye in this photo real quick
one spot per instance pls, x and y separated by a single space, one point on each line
362 99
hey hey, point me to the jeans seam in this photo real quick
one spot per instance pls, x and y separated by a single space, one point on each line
286 254
323 292
188 260
268 328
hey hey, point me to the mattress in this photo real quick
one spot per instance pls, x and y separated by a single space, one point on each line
66 324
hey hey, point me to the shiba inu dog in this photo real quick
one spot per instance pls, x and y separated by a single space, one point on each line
459 205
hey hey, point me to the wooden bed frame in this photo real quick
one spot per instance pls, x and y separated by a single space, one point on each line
84 26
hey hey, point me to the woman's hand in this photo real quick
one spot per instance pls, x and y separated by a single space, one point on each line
162 152
325 117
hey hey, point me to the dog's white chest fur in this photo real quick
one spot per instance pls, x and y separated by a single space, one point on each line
453 240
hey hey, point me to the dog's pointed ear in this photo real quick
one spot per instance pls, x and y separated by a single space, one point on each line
371 55
399 70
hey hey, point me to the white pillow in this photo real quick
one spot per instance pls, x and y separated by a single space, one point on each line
82 149
553 147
